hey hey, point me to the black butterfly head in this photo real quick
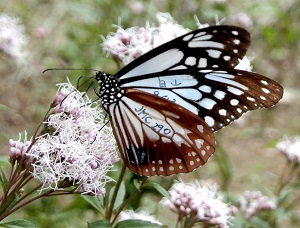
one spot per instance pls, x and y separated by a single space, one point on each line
110 91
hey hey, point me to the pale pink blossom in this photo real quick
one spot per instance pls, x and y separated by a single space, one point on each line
198 202
13 41
126 45
74 149
290 147
253 202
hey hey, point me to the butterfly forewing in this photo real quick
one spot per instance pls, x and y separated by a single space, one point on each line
158 137
213 47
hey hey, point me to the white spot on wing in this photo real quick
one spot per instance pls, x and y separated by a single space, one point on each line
263 98
207 103
265 90
199 143
209 120
202 37
200 128
235 33
188 37
226 58
235 90
205 88
202 63
200 34
236 41
178 160
219 94
213 53
205 44
222 112
234 102
191 61
250 99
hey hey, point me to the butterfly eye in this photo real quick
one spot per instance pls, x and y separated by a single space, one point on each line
165 105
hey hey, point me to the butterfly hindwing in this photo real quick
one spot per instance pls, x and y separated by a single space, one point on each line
158 137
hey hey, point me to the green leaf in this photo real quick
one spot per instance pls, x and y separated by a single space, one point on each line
136 223
137 184
95 201
120 196
4 161
99 223
3 181
9 202
18 223
158 188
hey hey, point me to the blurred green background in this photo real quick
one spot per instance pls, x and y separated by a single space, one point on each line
66 34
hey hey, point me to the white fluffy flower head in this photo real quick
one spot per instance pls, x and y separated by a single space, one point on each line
290 147
12 39
252 202
75 152
126 45
198 202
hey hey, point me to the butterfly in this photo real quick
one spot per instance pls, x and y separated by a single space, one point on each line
165 105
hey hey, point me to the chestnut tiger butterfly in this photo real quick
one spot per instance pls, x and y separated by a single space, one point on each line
165 105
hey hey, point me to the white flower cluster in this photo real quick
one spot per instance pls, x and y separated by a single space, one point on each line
200 203
128 44
253 202
74 151
12 38
290 147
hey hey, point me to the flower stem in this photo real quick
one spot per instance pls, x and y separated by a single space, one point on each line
114 197
129 199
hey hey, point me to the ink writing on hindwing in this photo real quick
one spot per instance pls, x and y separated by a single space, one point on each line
152 123
143 115
164 96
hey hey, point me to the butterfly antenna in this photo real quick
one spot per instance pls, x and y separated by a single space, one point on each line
51 69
